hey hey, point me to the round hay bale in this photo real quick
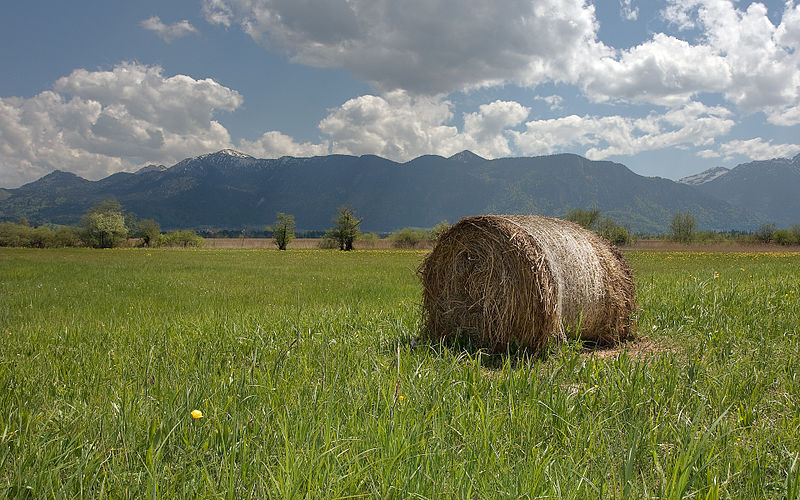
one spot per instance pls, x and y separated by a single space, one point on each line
524 280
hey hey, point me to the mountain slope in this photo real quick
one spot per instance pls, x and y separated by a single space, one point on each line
228 189
769 188
705 176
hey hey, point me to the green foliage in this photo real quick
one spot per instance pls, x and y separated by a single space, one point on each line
370 239
438 229
282 230
149 231
318 388
183 239
408 237
795 231
584 218
765 233
683 227
346 230
613 232
22 235
783 237
606 227
104 226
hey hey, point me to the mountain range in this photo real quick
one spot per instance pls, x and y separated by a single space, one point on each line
769 189
231 190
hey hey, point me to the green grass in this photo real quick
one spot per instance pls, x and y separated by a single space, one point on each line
306 367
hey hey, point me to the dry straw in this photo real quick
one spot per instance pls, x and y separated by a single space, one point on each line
524 280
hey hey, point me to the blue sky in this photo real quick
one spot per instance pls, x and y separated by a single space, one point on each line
669 88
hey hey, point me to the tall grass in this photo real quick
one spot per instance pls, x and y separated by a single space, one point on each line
307 369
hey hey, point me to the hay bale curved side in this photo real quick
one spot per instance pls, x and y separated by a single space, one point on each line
525 279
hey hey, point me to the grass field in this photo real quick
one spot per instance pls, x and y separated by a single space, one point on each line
311 383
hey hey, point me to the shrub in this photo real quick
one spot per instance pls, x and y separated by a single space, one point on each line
584 218
783 237
408 237
185 239
683 227
370 239
610 230
764 233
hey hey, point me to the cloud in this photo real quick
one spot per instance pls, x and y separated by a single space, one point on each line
275 144
424 46
757 149
763 59
664 70
555 102
217 12
603 136
435 47
168 32
627 10
401 127
94 123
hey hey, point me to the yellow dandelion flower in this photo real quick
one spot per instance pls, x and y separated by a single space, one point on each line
400 397
197 414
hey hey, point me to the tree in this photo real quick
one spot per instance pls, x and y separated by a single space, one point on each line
346 230
437 230
282 230
683 227
149 231
185 239
408 237
795 231
613 232
584 218
103 226
765 232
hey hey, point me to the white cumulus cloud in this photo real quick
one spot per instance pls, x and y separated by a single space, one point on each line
275 144
94 123
603 136
424 46
434 47
757 149
168 32
401 127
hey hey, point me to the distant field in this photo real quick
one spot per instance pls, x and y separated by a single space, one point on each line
311 382
660 245
295 244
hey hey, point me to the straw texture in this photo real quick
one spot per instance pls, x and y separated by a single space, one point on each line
525 280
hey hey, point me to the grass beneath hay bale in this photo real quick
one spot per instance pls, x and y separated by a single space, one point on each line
305 368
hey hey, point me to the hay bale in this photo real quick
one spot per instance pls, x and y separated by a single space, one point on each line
525 279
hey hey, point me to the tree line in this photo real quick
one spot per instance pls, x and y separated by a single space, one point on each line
105 225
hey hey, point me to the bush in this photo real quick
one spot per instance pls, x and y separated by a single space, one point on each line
610 230
14 235
184 239
683 227
408 237
783 237
584 218
795 230
764 233
437 230
370 239
66 237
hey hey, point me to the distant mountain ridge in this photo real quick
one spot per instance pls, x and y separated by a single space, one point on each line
705 176
229 189
769 188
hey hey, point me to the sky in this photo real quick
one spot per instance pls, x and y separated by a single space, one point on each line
667 87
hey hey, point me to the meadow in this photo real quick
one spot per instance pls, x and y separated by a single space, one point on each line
312 382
